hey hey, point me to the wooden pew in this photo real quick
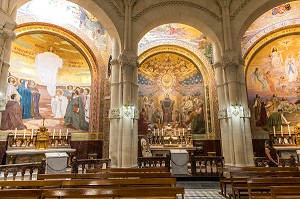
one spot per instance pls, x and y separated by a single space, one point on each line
143 192
127 170
239 179
20 193
92 183
257 185
30 184
225 181
105 175
285 192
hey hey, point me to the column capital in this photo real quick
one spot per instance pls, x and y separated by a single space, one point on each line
7 30
231 60
128 58
114 113
224 3
129 3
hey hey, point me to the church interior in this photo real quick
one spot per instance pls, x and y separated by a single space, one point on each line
195 91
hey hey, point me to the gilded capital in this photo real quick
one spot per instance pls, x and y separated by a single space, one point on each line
224 3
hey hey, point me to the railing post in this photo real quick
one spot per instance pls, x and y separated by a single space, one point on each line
74 165
193 164
42 168
167 163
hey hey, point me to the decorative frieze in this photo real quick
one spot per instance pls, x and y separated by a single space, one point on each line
224 113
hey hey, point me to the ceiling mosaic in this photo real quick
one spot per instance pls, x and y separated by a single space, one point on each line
178 32
70 16
281 16
169 73
75 69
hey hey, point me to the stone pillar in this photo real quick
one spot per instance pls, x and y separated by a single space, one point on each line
6 37
115 110
234 112
129 147
239 138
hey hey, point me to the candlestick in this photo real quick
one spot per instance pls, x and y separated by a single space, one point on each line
24 133
59 133
15 136
53 134
289 130
67 134
183 131
153 132
31 133
274 131
162 132
281 130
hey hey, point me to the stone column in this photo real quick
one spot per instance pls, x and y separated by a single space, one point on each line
6 37
238 131
115 110
128 62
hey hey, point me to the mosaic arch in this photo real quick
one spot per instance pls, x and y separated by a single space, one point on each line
176 72
79 68
71 17
272 72
282 16
179 33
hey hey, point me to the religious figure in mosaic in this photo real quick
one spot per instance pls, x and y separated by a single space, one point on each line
276 57
290 68
25 101
167 107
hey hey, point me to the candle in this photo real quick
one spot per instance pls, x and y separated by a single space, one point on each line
59 133
53 134
289 130
281 130
15 136
24 133
183 131
31 133
274 131
67 134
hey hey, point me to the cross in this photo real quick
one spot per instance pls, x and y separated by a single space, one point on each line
43 120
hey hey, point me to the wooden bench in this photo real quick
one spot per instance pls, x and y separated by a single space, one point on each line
225 181
259 188
30 184
285 192
239 179
143 192
92 183
104 175
128 170
20 193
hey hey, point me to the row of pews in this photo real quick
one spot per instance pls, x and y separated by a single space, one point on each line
97 183
261 182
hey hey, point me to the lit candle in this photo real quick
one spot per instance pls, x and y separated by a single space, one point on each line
67 134
274 131
281 130
53 134
289 130
15 136
59 133
31 133
24 133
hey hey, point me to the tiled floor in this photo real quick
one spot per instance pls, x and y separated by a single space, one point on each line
201 189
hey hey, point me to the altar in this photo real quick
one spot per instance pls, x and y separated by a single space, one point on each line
24 146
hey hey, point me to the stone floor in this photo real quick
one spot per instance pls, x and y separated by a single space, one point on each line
201 189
